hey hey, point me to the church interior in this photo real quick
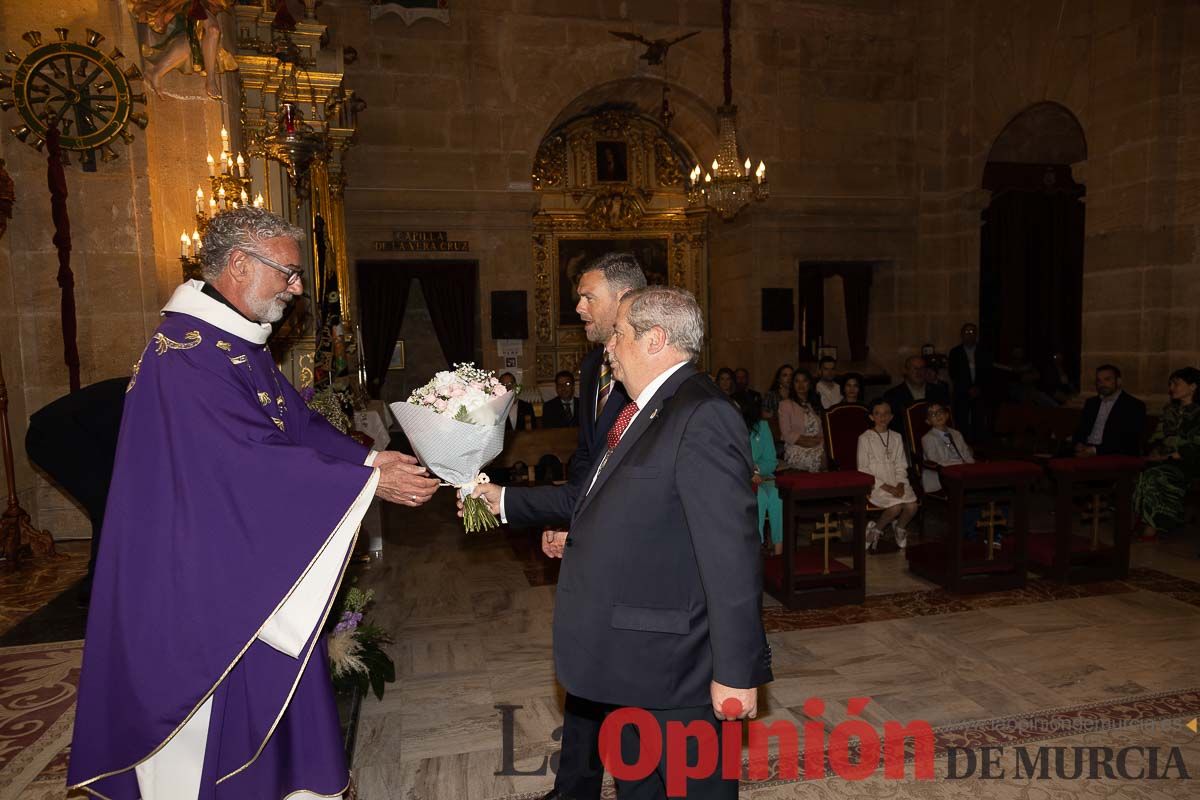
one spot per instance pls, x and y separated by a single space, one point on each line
850 181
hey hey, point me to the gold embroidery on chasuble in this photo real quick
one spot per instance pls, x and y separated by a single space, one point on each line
278 423
237 360
162 344
264 398
133 378
226 346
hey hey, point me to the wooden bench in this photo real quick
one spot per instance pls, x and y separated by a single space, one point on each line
528 447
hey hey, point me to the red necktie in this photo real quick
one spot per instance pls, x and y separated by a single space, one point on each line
618 428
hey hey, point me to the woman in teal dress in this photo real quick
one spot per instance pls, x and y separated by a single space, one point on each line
1174 460
762 449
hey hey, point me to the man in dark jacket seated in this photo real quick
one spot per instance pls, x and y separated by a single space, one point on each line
913 389
562 411
1113 422
74 440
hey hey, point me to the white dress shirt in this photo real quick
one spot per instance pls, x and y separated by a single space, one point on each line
830 393
1096 437
641 401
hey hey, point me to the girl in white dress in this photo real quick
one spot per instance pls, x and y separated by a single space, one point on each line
881 455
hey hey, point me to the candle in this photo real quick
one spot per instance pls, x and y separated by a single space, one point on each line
747 166
183 245
212 206
245 197
224 138
761 172
196 241
199 200
241 165
210 165
714 165
258 201
221 198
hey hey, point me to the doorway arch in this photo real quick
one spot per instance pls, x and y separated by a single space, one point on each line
1031 242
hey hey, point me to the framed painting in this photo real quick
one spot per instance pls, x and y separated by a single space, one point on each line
612 162
575 254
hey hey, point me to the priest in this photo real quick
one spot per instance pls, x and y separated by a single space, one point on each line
231 517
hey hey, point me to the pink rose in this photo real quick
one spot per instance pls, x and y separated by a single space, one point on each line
439 405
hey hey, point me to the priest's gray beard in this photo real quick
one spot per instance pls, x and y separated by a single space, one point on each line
268 309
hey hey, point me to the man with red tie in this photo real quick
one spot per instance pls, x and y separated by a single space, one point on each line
659 599
601 286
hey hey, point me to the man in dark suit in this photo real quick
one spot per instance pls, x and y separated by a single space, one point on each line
1113 422
561 411
602 284
913 389
74 439
659 600
520 414
970 366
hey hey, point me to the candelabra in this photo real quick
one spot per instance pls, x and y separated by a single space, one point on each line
729 187
229 187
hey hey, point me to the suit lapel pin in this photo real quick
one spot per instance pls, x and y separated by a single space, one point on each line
654 415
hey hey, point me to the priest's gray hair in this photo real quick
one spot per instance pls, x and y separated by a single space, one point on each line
240 229
674 310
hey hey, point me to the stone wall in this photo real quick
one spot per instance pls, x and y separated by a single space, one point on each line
126 219
825 96
1125 70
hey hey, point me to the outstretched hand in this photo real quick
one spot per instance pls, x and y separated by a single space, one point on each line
402 480
490 494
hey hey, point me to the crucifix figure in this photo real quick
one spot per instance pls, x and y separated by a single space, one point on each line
825 531
988 522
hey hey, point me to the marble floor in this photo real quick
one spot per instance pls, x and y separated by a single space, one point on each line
472 621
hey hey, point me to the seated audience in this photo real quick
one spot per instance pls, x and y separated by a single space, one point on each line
762 449
881 454
1113 421
800 426
1158 497
852 389
725 381
911 390
562 411
827 387
779 390
941 445
520 413
1056 382
742 393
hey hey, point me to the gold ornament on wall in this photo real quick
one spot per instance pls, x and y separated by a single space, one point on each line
76 87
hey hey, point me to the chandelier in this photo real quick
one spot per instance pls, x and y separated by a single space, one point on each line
729 186
230 186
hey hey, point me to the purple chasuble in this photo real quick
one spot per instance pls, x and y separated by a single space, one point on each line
227 527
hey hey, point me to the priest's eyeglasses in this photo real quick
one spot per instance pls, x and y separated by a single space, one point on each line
293 273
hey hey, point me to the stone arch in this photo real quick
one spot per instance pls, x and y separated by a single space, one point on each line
1044 133
694 125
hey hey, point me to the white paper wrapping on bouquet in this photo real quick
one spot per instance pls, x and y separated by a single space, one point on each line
455 451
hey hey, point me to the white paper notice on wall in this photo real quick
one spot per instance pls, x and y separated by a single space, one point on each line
510 348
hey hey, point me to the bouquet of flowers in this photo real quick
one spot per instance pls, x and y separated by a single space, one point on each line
455 424
356 656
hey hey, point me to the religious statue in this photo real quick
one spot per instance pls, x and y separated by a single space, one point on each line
189 38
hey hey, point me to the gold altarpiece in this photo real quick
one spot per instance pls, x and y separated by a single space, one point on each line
611 179
302 175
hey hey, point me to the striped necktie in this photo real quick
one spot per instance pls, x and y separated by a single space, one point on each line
605 388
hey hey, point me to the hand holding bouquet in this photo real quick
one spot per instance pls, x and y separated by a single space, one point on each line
456 426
